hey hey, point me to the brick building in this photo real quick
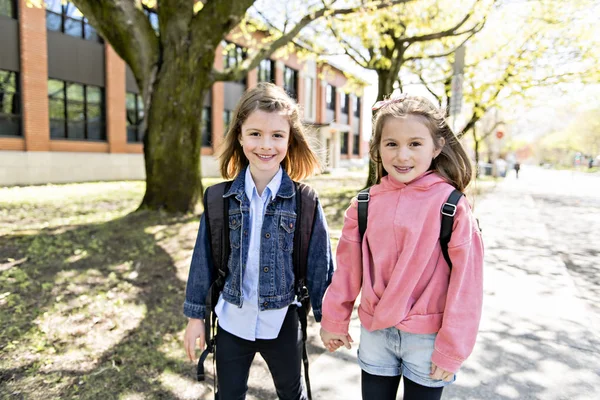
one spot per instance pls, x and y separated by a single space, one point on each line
70 107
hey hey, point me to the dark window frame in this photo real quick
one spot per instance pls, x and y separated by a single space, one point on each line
16 114
262 71
344 137
87 104
356 144
13 4
356 106
206 127
66 19
345 103
138 116
227 116
330 97
233 57
290 74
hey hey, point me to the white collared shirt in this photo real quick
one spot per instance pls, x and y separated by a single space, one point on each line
248 322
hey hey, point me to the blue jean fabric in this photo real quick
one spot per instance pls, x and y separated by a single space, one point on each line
276 281
391 352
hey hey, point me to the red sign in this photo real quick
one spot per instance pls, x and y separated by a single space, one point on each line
499 134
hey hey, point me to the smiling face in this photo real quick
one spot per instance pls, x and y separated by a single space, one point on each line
406 148
264 139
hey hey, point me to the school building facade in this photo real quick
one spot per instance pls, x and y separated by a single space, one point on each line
70 107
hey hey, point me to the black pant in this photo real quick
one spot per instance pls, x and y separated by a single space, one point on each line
385 388
283 356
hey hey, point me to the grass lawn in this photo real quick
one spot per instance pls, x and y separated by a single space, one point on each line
91 293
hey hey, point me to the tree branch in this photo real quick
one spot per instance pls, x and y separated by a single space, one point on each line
266 52
471 34
442 34
129 32
174 17
212 23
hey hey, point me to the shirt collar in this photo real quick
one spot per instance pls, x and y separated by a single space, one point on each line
272 186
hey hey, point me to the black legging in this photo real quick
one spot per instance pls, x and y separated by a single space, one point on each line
375 387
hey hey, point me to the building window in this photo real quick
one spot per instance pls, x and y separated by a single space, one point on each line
356 106
233 56
344 102
309 97
344 143
356 144
206 127
76 111
266 71
135 116
10 105
330 97
227 115
290 82
66 18
8 8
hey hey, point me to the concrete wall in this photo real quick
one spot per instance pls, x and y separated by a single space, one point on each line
32 168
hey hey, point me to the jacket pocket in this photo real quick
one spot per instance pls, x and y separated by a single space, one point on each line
235 223
287 227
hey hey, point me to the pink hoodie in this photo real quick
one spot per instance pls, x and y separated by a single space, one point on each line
405 281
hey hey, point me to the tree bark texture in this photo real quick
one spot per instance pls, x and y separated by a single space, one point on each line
173 140
386 79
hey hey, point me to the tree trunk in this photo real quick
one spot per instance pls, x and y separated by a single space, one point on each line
386 79
173 140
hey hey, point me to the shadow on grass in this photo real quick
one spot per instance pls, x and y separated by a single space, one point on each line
94 311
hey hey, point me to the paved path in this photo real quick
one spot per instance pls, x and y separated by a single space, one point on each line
539 334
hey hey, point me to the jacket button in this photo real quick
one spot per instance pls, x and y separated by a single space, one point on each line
266 269
234 222
267 235
265 304
291 225
245 232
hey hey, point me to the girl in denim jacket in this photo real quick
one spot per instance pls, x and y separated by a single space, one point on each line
265 149
419 319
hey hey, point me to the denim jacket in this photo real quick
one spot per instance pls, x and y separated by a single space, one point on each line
276 281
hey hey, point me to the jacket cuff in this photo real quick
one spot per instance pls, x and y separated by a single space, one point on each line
194 310
445 362
339 328
317 314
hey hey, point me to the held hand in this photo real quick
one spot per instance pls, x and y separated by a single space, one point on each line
193 331
438 373
333 341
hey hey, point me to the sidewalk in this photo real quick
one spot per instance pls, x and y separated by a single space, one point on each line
536 340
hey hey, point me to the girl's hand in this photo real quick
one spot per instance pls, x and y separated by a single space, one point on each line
440 374
193 331
333 341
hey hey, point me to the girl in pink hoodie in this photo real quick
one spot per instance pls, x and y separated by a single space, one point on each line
419 319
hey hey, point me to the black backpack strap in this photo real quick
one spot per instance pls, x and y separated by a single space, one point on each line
216 217
448 211
363 210
306 211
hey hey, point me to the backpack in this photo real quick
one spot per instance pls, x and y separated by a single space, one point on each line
448 211
216 209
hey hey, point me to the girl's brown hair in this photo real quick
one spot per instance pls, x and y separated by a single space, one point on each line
453 163
300 161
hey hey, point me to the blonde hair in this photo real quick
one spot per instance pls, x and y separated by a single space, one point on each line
453 163
300 161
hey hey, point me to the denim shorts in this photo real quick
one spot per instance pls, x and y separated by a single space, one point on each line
391 352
